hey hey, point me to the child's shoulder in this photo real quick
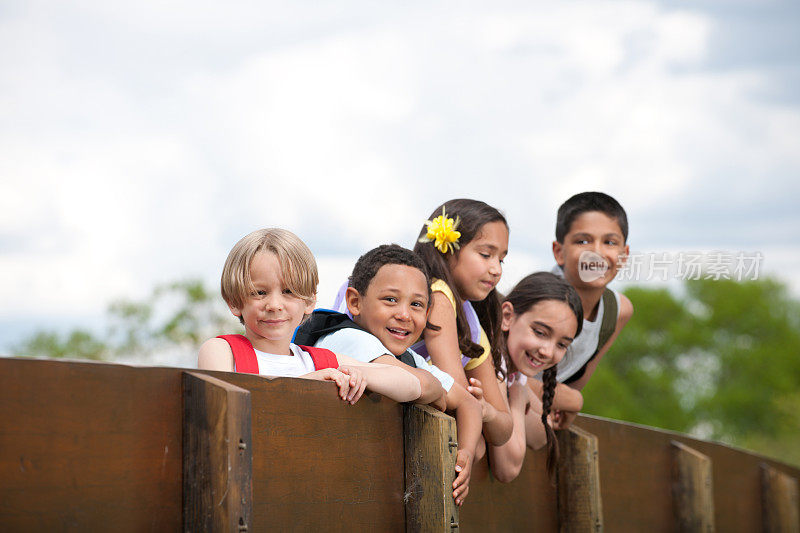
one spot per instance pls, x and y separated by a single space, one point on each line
356 343
355 335
215 354
440 286
625 310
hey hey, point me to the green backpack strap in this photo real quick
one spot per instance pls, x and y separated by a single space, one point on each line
609 323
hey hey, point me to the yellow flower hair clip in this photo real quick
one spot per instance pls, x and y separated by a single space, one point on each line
442 232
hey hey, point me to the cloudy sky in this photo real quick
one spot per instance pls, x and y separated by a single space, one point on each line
140 140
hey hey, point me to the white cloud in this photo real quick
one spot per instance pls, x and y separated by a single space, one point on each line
138 142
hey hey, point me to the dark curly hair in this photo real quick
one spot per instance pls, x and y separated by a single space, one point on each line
368 265
473 215
531 290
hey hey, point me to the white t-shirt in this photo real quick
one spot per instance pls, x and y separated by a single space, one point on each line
288 366
585 344
364 346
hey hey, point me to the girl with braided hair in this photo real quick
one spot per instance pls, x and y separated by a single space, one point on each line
540 318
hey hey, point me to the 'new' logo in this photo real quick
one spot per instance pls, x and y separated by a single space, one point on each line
591 266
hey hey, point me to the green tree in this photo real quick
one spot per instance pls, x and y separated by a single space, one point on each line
176 316
78 344
720 361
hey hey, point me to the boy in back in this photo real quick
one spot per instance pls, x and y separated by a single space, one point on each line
388 298
590 247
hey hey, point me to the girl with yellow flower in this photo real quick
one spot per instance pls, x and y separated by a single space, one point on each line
463 243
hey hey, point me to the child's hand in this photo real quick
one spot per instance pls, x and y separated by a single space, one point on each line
476 389
357 383
341 379
562 419
463 472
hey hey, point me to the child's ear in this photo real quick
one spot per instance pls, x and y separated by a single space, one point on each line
623 258
235 310
558 253
507 309
353 300
310 305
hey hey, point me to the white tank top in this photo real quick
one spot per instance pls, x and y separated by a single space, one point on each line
584 346
289 366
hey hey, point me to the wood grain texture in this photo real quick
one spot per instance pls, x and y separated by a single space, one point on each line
580 505
636 467
98 447
779 501
89 447
320 463
528 503
217 460
692 489
430 458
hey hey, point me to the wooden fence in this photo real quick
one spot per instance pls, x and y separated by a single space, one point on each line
102 447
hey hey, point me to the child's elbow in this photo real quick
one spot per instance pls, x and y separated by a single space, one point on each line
411 390
415 389
430 388
578 401
537 442
506 473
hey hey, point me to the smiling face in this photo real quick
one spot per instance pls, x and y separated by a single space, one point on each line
538 338
477 267
593 238
271 313
394 307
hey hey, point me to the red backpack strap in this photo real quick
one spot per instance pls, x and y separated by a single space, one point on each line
244 356
322 358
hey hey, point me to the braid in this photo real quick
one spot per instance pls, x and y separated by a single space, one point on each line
548 392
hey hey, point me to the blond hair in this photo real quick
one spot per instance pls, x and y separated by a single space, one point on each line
298 267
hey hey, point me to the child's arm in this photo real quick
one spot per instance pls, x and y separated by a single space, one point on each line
467 413
443 348
497 423
442 345
506 460
535 435
625 313
391 381
215 354
432 391
566 398
567 403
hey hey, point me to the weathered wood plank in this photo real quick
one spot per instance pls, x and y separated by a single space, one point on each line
637 466
580 505
779 501
692 489
89 447
321 464
529 503
217 459
93 447
430 459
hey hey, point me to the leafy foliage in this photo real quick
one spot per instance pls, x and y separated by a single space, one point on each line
79 344
720 361
176 316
